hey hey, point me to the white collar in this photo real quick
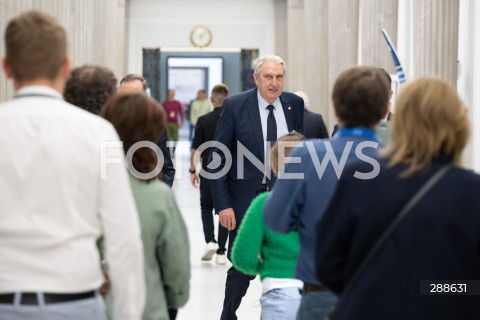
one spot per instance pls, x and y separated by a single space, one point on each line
262 103
40 90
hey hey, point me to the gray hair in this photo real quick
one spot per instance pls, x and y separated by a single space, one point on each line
304 96
275 59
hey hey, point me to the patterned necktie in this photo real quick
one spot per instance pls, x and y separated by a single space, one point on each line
272 137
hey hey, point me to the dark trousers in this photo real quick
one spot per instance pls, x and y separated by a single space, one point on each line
206 206
235 287
172 313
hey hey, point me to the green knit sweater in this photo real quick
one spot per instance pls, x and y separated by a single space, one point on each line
259 250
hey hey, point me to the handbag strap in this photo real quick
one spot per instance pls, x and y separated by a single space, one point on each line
403 213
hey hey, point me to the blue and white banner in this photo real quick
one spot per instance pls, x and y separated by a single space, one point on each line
396 60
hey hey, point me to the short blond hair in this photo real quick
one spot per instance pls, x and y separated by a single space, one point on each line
430 121
277 160
36 46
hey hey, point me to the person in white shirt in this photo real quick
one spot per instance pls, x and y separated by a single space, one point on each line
60 189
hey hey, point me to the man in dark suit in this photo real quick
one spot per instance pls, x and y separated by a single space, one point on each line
249 121
204 133
313 125
135 83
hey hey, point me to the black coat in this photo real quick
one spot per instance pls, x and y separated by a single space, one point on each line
438 240
314 126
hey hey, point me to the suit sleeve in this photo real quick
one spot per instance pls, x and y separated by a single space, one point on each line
248 243
334 233
224 135
283 207
168 169
199 136
323 132
300 115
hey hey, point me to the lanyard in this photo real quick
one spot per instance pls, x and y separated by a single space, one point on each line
357 132
28 95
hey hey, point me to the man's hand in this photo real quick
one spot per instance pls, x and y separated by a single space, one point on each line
194 179
227 219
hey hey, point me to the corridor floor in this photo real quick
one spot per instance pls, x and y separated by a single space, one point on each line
207 282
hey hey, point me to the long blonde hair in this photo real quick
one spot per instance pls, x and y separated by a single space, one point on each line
430 120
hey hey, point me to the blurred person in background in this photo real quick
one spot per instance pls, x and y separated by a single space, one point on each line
204 133
174 112
89 87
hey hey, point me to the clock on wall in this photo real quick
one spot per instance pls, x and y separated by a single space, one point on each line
201 36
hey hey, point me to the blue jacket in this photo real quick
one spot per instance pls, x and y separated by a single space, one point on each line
299 203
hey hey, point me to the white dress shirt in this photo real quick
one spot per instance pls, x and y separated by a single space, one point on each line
282 127
54 204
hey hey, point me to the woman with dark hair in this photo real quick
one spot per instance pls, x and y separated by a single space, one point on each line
434 246
140 121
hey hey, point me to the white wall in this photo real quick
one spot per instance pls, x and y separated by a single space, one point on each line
469 74
165 23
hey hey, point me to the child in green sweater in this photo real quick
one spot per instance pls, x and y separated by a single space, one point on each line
258 250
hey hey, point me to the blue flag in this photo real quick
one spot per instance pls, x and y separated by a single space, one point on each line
396 61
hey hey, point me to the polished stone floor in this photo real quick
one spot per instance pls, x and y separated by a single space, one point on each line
207 283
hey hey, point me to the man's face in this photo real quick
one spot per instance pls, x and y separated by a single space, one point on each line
270 81
134 86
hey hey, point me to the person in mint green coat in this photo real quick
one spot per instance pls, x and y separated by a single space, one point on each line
259 250
137 117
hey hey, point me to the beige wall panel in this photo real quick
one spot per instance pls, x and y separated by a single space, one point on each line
375 15
436 38
296 46
280 7
95 31
316 55
343 41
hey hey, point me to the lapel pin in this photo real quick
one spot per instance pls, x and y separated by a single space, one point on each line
289 108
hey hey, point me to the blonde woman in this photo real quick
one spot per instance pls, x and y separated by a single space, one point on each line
439 238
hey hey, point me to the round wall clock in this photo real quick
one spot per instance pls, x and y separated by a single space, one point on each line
201 36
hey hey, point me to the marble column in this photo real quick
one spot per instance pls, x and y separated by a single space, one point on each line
316 55
296 46
343 30
280 7
435 39
375 15
95 31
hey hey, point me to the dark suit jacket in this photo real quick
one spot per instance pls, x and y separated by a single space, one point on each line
240 121
313 126
438 240
168 170
205 131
